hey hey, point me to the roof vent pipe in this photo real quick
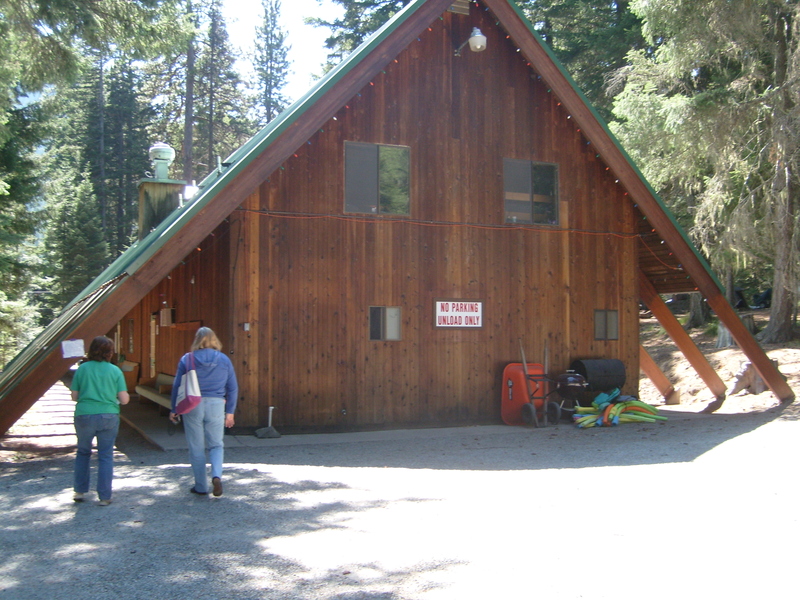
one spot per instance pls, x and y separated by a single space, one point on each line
161 156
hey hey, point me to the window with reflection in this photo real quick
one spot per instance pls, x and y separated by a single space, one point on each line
377 179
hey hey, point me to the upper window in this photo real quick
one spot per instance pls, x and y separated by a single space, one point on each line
531 192
376 179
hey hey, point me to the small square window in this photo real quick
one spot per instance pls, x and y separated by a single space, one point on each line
606 325
384 323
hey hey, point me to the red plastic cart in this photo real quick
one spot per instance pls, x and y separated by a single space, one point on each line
525 402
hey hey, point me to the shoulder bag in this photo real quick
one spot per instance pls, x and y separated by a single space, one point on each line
189 389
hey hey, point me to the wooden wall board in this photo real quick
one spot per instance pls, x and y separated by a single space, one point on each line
304 273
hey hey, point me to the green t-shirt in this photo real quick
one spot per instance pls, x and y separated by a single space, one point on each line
98 384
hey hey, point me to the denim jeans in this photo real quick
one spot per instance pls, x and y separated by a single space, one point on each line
205 427
105 428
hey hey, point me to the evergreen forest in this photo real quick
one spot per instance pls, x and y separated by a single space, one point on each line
701 93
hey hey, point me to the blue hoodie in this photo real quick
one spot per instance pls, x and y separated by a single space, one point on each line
214 373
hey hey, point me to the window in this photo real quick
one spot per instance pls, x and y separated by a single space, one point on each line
384 323
531 192
376 179
606 325
131 330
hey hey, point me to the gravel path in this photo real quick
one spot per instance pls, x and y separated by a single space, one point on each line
701 506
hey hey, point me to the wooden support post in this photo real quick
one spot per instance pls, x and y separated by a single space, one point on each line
765 367
681 338
656 375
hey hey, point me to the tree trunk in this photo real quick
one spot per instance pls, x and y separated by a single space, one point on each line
101 144
781 313
730 286
699 313
213 50
188 117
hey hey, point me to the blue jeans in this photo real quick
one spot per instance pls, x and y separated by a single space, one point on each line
105 428
205 427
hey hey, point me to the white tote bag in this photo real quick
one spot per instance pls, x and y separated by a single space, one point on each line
189 390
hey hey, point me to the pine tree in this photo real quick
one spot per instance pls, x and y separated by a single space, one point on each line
19 216
42 42
76 250
18 326
127 118
271 63
95 153
42 47
187 153
105 118
166 82
222 124
360 19
591 39
200 102
711 115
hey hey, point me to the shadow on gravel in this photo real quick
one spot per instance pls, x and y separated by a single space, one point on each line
157 541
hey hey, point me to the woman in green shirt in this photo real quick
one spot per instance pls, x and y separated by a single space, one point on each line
99 388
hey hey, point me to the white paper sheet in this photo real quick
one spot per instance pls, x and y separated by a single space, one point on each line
72 348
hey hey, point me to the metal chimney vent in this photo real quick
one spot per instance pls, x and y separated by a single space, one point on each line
161 156
460 7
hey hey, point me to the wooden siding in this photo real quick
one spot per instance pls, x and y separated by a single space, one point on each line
459 116
198 291
303 274
321 270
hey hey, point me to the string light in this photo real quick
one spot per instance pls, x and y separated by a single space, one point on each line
500 227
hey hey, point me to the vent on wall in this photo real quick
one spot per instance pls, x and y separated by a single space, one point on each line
460 7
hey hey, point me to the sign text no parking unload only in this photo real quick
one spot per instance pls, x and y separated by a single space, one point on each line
459 313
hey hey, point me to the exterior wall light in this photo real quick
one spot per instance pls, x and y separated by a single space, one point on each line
476 41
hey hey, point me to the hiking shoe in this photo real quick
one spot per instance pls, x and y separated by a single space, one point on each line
77 497
104 502
194 491
215 481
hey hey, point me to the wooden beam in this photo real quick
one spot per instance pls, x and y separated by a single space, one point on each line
680 337
656 375
751 348
244 285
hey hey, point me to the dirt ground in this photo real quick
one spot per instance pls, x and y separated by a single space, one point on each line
727 362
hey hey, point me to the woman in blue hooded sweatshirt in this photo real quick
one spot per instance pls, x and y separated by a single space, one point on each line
205 424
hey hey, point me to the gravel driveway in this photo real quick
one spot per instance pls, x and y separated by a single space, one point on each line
703 506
